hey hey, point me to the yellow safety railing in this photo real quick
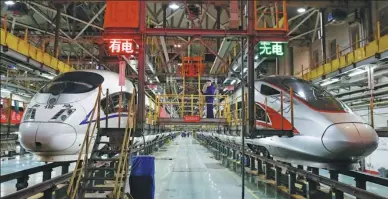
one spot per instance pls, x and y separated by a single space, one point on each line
123 165
193 104
276 10
83 162
23 47
380 44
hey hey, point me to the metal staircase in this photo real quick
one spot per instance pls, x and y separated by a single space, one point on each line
105 172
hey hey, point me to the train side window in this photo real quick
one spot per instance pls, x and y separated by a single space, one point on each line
261 114
266 90
114 103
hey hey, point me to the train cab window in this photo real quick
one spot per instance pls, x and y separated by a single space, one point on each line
73 82
266 90
314 95
114 103
261 114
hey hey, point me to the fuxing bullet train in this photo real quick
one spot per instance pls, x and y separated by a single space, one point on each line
54 125
327 134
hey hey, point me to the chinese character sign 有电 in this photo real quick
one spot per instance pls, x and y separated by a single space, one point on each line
118 46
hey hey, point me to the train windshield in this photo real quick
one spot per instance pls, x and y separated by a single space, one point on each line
73 82
314 95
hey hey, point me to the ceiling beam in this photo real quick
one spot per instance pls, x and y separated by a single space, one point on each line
70 39
65 15
90 22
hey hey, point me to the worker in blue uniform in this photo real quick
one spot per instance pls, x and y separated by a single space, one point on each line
209 90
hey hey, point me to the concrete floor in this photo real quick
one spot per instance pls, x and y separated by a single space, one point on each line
187 170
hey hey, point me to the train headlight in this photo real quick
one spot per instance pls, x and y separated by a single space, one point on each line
62 115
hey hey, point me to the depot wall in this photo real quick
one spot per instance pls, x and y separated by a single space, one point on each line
380 116
301 58
377 159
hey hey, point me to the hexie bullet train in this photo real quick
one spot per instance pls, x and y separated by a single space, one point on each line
327 134
57 117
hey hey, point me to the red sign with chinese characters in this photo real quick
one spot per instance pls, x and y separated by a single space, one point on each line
152 86
230 88
16 118
122 78
191 118
122 47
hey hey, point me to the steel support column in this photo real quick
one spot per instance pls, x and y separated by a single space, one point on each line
141 71
218 22
323 34
291 60
65 168
252 163
243 123
47 194
101 54
164 7
334 176
57 27
251 68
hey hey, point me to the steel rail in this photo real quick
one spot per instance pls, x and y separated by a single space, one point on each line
51 183
345 188
39 188
18 174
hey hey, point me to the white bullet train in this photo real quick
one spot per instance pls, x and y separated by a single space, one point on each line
327 134
55 122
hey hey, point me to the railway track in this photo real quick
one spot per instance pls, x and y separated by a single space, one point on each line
267 166
52 187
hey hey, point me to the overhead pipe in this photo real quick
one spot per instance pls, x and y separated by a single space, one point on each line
57 28
361 90
365 95
358 78
323 34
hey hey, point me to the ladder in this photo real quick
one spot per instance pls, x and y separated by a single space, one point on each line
105 172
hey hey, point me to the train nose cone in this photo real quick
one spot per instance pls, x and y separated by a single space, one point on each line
350 139
369 137
27 133
52 137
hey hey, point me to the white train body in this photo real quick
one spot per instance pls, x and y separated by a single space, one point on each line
55 122
326 132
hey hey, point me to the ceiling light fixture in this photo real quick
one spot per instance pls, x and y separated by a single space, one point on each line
357 72
301 10
173 6
9 3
